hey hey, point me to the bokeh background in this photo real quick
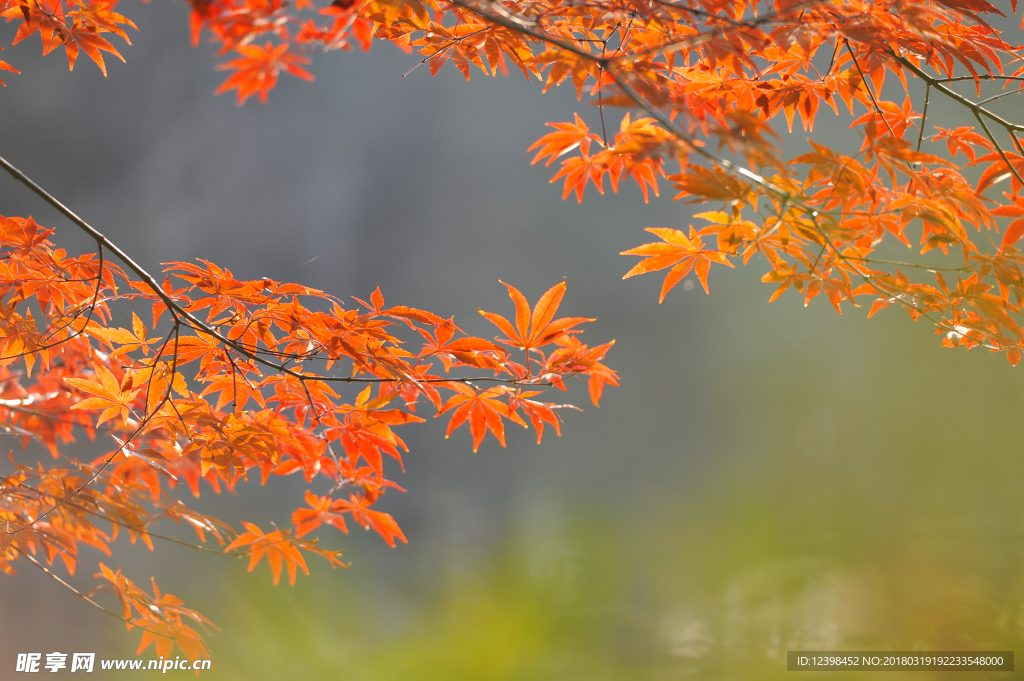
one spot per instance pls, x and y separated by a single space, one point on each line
767 477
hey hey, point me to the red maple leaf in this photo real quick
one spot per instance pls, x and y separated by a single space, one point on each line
257 69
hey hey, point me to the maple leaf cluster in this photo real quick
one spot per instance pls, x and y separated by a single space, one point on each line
724 71
226 380
76 26
714 70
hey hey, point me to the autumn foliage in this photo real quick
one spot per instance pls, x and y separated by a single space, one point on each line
219 379
243 381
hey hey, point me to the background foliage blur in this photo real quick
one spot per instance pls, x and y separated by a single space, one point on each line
768 477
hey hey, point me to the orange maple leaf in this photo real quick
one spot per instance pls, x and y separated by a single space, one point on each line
1015 230
540 328
166 635
483 409
382 523
84 36
257 69
4 66
276 546
680 252
108 395
98 15
323 511
961 139
44 16
569 136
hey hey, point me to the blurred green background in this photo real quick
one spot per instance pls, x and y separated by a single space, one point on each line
767 477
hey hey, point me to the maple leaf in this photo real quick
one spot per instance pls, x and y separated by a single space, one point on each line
577 358
713 184
568 136
278 548
483 409
961 139
108 395
160 616
257 69
43 16
539 328
161 622
381 523
23 234
324 510
539 413
164 636
680 252
4 66
100 17
998 170
1015 230
578 171
636 152
83 36
468 351
129 340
